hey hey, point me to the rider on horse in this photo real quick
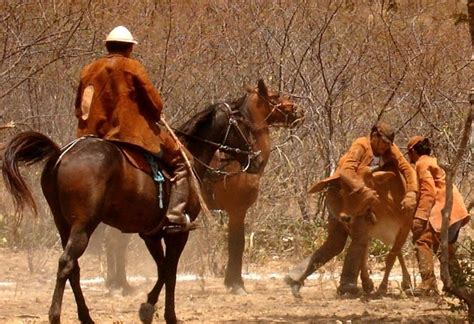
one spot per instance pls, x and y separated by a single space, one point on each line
117 101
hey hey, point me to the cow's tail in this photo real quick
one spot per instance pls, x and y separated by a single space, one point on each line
25 148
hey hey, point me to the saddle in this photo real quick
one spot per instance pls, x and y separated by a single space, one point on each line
140 159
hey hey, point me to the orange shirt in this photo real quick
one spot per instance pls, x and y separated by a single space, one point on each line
360 156
117 101
432 182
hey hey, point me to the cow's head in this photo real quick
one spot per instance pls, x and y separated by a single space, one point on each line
363 202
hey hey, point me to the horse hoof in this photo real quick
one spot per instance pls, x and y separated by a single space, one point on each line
368 286
146 313
128 291
294 285
406 285
238 290
348 289
381 291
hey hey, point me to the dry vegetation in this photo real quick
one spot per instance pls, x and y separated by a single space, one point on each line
347 63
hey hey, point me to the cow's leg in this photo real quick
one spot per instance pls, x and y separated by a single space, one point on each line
334 244
367 283
354 257
400 240
406 278
235 247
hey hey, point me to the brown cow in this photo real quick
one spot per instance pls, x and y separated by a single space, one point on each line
384 218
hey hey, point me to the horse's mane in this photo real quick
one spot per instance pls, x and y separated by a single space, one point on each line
198 121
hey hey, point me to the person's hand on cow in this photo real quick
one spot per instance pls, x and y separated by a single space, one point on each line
368 197
409 202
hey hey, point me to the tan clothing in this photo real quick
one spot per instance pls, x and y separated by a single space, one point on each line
360 156
432 183
117 101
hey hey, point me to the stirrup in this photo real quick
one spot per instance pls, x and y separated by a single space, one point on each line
173 228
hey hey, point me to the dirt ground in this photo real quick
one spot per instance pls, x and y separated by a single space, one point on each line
25 297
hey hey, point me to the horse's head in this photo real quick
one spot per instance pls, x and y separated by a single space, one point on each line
237 138
221 127
273 108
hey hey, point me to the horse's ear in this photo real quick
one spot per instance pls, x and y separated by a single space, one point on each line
262 88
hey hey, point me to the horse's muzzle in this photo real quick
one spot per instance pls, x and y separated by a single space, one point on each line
256 164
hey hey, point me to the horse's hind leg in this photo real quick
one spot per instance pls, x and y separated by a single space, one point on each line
68 268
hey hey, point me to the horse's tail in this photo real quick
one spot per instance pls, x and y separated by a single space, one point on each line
25 148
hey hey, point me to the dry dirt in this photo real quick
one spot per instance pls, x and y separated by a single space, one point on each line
25 297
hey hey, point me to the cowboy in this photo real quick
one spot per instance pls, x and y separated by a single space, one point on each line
117 101
375 151
427 222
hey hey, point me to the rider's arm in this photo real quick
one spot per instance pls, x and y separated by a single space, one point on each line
148 95
406 170
427 190
352 161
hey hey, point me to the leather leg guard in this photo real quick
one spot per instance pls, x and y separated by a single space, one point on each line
179 196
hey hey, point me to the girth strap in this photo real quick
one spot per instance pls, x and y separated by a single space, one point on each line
66 148
157 175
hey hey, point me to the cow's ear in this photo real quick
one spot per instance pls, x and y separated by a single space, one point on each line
381 177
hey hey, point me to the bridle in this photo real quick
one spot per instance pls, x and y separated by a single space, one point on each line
234 117
279 107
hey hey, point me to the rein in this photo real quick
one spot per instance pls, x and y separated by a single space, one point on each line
274 107
233 121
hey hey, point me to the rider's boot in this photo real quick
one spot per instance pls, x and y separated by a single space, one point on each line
178 220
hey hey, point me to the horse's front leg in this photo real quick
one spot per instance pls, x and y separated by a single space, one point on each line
116 244
235 247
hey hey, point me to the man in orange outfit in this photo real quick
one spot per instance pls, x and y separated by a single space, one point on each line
116 101
427 223
376 151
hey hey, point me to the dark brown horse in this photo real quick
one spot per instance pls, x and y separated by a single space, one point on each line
92 182
227 187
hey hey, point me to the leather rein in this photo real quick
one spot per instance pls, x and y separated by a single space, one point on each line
233 122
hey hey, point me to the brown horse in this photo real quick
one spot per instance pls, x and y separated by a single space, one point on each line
238 191
226 187
92 181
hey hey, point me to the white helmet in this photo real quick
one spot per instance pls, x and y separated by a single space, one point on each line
120 34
